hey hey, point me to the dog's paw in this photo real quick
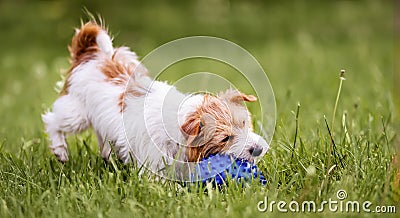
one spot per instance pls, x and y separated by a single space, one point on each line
61 153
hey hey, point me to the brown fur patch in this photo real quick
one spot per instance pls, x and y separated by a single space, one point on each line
84 43
120 73
83 48
116 71
137 91
121 102
122 66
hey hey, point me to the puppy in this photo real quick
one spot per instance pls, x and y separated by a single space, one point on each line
142 120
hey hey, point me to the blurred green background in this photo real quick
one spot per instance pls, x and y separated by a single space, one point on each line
302 46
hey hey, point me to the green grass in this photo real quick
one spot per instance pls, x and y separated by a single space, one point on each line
302 45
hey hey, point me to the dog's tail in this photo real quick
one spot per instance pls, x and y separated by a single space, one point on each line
90 39
87 42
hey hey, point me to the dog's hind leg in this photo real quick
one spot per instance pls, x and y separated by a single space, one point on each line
68 116
104 146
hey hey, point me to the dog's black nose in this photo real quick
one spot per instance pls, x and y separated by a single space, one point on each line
255 151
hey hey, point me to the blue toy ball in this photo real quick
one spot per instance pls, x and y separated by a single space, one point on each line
217 168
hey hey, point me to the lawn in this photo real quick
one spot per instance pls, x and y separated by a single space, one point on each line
302 46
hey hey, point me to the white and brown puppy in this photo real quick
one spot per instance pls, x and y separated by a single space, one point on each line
144 120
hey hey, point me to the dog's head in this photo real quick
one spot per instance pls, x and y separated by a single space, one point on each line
222 125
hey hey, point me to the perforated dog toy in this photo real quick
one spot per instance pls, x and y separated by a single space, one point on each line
218 168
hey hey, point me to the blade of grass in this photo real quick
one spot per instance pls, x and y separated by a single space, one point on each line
342 78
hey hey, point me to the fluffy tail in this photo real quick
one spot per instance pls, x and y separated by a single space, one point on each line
88 40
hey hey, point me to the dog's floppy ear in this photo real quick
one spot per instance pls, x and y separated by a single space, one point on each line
194 122
248 98
192 128
202 133
237 97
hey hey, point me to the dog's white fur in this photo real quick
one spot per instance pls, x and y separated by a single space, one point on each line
144 120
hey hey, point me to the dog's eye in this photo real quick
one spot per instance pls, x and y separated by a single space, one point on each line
226 138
